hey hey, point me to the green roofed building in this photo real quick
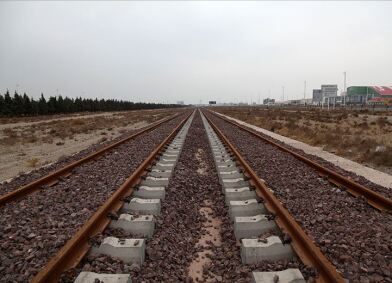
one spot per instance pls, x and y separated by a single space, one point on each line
369 94
361 90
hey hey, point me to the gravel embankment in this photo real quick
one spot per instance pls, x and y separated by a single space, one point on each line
355 237
33 229
25 178
359 179
193 229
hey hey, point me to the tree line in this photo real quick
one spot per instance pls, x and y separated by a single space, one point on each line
22 105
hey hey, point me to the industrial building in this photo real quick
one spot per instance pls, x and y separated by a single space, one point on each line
369 95
325 94
317 96
328 91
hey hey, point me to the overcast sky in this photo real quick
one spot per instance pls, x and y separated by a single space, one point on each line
192 51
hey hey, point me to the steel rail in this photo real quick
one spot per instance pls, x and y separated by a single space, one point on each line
374 199
77 247
54 176
303 245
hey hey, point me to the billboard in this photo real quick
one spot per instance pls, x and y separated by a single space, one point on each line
211 102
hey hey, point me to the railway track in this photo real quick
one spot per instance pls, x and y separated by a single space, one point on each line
197 210
52 178
36 226
251 217
354 237
374 198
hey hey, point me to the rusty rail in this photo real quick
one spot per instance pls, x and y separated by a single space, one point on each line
77 247
303 245
375 199
54 176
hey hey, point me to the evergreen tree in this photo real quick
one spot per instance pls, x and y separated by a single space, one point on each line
19 105
2 105
60 105
34 107
42 106
7 104
27 107
52 105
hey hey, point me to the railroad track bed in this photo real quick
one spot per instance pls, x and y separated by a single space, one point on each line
355 237
357 178
206 202
27 177
35 227
262 243
194 239
122 247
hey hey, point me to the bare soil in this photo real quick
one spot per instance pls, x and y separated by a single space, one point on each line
361 136
27 143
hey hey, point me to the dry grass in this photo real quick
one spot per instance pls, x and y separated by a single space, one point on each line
359 136
33 162
58 131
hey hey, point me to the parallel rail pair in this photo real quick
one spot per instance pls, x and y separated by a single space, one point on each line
77 247
375 199
303 245
53 177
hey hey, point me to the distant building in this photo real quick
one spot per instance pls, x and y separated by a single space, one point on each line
180 102
317 96
211 102
334 100
329 91
369 94
268 101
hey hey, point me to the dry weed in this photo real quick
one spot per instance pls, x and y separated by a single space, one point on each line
33 162
349 134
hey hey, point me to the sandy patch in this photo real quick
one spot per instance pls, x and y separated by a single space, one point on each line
27 143
44 120
210 236
202 167
18 158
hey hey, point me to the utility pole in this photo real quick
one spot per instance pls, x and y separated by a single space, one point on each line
344 87
304 92
282 93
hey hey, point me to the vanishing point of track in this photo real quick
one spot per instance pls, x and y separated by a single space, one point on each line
226 150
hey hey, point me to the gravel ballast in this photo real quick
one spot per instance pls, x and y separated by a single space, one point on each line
25 178
34 228
194 240
355 237
386 191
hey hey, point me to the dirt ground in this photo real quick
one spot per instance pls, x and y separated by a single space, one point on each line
27 143
361 136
